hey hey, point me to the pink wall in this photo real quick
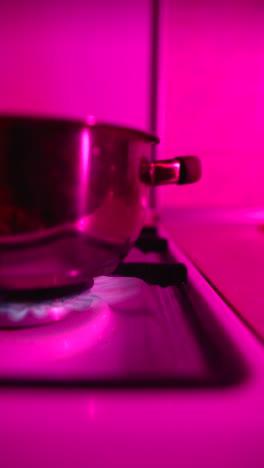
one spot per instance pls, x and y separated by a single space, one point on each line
76 57
212 99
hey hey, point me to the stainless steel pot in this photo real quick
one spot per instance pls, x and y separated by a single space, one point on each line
73 197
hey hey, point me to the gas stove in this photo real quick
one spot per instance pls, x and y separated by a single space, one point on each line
146 367
142 326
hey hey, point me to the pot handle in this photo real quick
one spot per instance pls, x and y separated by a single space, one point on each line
180 170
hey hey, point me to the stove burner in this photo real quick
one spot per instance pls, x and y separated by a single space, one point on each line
61 348
32 308
27 308
54 349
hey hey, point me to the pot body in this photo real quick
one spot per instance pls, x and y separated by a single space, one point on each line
72 200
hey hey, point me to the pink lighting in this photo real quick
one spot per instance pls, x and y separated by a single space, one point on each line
84 164
74 273
85 150
35 353
83 223
49 350
217 427
90 120
213 100
91 409
70 58
56 313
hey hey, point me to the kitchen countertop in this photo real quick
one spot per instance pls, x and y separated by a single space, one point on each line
231 257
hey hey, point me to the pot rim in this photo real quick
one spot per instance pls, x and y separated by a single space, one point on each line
89 122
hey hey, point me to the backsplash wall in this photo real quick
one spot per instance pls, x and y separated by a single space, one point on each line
212 99
77 57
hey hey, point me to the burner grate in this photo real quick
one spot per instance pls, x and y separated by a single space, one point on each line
161 274
149 241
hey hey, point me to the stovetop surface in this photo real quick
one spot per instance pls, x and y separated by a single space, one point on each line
142 326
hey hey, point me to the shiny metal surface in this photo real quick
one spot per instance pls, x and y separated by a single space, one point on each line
107 339
72 199
180 170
